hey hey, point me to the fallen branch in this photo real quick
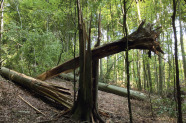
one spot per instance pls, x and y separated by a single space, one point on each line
31 105
63 113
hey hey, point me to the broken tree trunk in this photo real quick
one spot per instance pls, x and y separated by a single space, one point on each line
55 92
142 38
110 88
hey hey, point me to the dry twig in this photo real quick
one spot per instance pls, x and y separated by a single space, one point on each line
31 105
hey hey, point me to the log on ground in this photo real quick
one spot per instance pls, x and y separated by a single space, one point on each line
121 91
110 88
54 92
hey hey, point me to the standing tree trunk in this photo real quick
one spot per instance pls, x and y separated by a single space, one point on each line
101 69
149 77
138 70
169 64
156 74
127 59
95 76
138 52
85 108
124 69
181 41
160 83
176 63
81 109
108 59
115 68
144 74
134 72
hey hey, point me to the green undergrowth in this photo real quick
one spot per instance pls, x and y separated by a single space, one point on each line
165 106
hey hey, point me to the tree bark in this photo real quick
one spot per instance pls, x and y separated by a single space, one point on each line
82 109
108 58
144 73
121 91
149 77
177 67
160 83
170 66
142 38
181 42
101 69
127 58
51 91
95 77
156 80
110 88
138 70
138 52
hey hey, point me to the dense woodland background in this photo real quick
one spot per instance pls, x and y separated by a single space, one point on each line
38 35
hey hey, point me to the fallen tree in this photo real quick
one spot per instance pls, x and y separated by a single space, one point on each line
121 91
110 88
54 92
142 38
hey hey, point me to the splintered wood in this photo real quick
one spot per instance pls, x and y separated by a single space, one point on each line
54 92
144 38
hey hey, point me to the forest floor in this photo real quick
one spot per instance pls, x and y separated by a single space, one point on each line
14 110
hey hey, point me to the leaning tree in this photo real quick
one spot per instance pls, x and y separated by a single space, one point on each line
85 108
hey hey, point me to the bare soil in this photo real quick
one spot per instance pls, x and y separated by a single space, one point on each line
14 110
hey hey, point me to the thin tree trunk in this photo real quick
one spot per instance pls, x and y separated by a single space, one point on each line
124 69
127 61
101 69
138 70
169 64
177 67
138 8
149 76
108 59
181 41
160 75
134 72
138 52
144 74
74 56
95 76
115 69
156 74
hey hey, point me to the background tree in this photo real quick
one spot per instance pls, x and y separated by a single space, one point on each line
176 63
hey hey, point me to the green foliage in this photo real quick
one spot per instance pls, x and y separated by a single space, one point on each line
30 52
165 106
36 32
